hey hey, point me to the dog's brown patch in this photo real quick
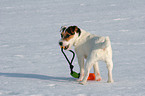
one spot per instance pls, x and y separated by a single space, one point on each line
69 33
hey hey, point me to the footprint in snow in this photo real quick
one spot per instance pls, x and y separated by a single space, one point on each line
120 19
37 95
51 85
81 95
20 56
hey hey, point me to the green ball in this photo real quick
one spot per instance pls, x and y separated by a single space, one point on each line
75 75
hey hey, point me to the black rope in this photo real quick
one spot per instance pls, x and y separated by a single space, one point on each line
70 63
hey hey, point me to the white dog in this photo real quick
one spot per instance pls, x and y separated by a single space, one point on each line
90 47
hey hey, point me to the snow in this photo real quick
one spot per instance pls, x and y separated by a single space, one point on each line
31 63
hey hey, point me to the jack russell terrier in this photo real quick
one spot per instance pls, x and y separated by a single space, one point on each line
90 47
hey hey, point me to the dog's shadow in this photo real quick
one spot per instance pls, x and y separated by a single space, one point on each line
36 76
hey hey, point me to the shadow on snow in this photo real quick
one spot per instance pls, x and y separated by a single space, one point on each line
35 76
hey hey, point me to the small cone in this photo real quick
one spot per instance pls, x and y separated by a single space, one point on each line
91 76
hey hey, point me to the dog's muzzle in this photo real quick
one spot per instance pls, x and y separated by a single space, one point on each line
64 47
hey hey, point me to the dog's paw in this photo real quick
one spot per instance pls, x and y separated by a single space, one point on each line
79 80
110 81
83 83
98 78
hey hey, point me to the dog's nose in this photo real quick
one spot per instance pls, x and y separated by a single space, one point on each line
60 43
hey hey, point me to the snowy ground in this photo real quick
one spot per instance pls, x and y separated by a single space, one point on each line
31 63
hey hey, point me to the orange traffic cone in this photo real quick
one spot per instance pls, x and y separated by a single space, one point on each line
91 76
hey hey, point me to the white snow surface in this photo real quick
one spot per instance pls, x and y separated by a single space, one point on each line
31 63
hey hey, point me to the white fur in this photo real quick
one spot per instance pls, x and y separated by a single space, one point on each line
92 48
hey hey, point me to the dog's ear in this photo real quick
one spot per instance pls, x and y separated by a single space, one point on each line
62 28
76 29
79 31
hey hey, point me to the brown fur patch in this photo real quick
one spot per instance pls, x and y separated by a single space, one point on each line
69 33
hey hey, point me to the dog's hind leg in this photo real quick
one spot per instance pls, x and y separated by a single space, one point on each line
110 67
97 72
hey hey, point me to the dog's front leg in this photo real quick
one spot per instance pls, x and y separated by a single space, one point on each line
87 71
81 65
88 66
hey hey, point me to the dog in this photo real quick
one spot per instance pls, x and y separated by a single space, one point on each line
90 47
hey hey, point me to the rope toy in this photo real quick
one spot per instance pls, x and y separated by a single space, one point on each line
73 73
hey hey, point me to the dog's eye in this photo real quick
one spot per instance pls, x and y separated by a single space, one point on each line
67 36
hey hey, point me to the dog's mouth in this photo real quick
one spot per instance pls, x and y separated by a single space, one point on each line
66 47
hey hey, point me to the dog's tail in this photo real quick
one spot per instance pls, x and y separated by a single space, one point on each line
107 40
105 43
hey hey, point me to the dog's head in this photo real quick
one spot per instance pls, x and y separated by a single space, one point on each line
68 36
